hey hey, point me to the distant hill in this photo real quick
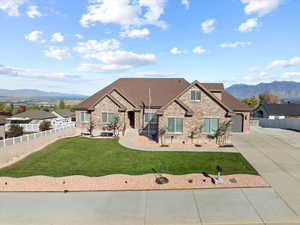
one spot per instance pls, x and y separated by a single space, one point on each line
33 93
285 89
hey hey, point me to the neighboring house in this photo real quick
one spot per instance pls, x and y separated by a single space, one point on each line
63 116
150 104
2 127
277 111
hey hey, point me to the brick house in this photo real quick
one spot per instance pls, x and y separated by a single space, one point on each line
149 104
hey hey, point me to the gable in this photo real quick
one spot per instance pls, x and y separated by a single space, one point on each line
117 95
107 105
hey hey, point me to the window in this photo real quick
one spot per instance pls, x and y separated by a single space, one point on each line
150 117
210 125
175 125
84 117
195 95
107 117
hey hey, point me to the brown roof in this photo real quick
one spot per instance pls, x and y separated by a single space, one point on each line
2 119
234 103
163 90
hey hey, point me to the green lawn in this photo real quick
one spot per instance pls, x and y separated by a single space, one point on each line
98 157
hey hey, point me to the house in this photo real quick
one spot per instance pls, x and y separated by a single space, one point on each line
2 126
149 104
64 116
277 111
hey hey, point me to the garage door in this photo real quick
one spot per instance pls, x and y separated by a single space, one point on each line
237 123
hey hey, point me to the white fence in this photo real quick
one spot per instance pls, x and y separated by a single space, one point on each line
290 123
29 137
36 127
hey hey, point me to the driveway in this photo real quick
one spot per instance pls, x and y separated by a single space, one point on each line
275 153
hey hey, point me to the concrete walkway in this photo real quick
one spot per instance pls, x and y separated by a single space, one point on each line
275 153
219 206
127 141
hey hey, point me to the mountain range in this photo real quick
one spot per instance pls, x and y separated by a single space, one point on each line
284 89
38 94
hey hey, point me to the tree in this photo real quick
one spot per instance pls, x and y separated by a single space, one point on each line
269 98
2 106
161 133
252 102
9 108
15 131
222 131
45 125
92 126
61 104
115 125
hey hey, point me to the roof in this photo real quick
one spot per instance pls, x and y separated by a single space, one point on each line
163 90
234 103
282 109
2 119
35 115
65 113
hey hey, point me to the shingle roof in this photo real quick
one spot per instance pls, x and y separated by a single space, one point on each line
163 90
35 115
282 109
65 113
2 119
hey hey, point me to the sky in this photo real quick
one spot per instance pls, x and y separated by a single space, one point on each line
83 46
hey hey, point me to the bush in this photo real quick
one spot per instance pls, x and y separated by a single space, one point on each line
15 131
45 125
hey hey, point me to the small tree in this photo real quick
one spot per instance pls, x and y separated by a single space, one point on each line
61 104
45 125
269 98
92 126
222 131
252 102
115 125
161 133
15 131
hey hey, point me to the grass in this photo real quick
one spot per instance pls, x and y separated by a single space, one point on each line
98 157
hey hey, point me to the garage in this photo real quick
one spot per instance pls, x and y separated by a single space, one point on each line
237 123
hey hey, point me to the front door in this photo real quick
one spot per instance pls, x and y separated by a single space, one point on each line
131 118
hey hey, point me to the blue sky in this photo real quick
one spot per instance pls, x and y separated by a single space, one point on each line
81 47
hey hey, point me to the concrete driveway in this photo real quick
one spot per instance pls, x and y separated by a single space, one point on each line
275 153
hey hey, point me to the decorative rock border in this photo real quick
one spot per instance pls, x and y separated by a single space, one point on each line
119 182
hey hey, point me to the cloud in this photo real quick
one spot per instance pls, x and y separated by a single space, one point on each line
117 61
78 36
249 25
199 50
36 74
284 63
135 33
186 3
208 26
176 51
94 46
260 7
57 52
57 37
33 12
34 36
289 75
126 13
11 7
253 69
235 44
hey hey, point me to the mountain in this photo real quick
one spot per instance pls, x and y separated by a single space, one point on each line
285 89
38 94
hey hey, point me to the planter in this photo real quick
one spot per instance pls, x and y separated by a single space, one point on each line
164 146
198 145
226 146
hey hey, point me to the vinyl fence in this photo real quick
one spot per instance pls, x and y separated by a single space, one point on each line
290 123
36 127
29 137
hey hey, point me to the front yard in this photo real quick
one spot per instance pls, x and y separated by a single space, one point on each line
99 157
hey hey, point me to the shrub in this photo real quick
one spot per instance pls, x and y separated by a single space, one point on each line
15 131
45 125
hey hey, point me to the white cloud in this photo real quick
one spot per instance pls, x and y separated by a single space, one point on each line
289 75
57 37
117 61
284 63
125 12
253 69
260 7
78 36
33 12
235 44
186 3
135 33
11 7
176 51
249 25
57 52
199 50
94 46
34 36
208 26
